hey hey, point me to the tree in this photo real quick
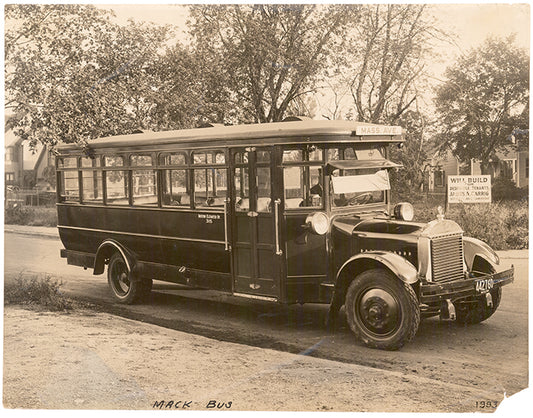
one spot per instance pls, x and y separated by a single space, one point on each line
194 89
413 154
484 99
386 60
72 75
269 55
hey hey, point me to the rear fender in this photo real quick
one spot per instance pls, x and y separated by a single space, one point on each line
106 250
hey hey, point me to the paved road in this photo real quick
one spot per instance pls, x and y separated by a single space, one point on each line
491 357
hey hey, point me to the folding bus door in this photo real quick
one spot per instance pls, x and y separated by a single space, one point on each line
256 264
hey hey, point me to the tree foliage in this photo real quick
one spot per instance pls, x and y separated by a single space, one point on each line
484 98
72 75
386 60
413 154
269 55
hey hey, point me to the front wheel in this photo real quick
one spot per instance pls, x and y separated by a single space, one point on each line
382 310
123 287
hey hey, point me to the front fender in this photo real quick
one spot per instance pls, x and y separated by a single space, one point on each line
476 248
400 266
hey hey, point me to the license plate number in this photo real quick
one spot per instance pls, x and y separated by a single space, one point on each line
484 285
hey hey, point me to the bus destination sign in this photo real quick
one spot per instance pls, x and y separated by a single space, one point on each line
469 189
378 130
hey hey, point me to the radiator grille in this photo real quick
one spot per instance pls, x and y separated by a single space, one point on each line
447 258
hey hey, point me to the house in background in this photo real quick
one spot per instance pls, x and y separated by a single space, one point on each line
441 165
510 163
25 168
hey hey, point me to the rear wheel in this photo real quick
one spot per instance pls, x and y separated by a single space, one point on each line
123 287
382 311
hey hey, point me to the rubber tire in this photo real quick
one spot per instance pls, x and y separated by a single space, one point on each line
407 302
480 312
137 290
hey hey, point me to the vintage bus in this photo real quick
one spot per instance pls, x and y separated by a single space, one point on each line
289 212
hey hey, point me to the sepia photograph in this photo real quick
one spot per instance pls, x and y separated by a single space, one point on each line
266 207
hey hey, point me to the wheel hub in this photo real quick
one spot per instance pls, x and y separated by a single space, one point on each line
379 311
123 282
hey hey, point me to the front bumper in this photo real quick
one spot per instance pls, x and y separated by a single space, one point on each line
432 293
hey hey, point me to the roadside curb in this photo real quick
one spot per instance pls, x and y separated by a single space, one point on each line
36 231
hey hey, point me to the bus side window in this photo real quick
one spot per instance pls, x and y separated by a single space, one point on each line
175 188
92 185
210 187
69 185
116 181
293 185
242 194
144 188
303 186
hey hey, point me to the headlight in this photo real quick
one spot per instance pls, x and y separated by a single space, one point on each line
318 222
404 211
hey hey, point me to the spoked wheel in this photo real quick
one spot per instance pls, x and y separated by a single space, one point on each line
123 287
382 310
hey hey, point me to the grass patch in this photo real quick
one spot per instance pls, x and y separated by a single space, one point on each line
31 215
35 290
503 225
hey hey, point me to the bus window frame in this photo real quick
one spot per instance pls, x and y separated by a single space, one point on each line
61 184
92 169
206 166
125 168
162 168
306 164
151 167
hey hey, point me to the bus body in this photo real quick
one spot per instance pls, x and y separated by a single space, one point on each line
290 212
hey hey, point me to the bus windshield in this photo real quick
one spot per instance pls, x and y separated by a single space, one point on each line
359 186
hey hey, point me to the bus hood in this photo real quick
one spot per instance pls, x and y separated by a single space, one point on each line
353 235
350 225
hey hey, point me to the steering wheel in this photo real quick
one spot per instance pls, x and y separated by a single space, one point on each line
360 199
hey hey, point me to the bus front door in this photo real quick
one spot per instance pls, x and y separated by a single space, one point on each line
256 266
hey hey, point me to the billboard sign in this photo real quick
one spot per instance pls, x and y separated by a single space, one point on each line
469 189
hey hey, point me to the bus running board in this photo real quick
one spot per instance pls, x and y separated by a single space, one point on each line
245 295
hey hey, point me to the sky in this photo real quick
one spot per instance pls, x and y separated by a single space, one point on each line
469 25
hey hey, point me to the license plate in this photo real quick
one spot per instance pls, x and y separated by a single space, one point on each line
484 285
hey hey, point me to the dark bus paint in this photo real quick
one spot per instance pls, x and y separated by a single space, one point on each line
291 212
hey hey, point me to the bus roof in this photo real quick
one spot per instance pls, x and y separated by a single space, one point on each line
252 134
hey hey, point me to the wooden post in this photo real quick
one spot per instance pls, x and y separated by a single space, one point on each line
446 204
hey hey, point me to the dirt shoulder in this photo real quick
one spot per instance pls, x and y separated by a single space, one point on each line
91 360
